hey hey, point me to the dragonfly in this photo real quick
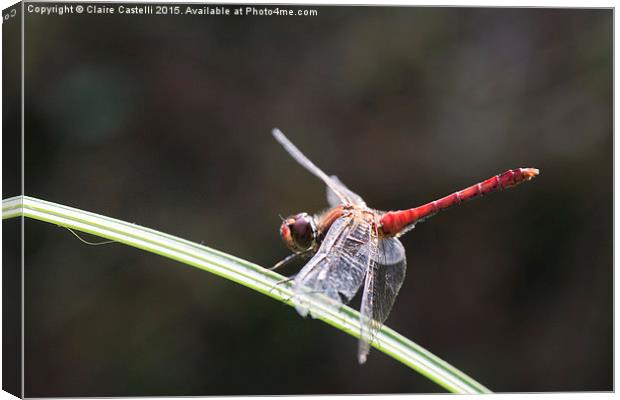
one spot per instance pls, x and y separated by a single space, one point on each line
351 244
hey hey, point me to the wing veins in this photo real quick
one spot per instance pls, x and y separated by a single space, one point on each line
339 273
383 281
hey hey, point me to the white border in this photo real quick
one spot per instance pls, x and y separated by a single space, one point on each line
480 3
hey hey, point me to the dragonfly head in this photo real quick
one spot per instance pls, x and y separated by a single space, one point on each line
299 232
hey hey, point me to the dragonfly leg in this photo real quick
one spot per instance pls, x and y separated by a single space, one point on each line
292 257
294 294
285 261
280 282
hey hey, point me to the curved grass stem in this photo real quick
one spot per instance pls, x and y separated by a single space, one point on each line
243 272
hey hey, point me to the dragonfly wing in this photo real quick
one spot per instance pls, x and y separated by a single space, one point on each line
338 268
333 199
306 163
383 281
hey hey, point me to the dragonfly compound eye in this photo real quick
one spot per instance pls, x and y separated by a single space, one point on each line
298 232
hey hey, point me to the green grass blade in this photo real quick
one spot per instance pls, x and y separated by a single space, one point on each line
245 273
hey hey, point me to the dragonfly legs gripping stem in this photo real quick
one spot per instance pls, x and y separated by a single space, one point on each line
280 282
285 261
290 258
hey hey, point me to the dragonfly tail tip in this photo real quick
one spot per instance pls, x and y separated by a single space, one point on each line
530 173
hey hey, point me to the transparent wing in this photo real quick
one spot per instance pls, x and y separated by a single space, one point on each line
333 199
383 281
337 270
309 165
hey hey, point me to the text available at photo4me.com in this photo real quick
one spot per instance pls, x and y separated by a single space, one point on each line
167 9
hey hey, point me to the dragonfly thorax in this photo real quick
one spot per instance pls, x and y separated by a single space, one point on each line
299 232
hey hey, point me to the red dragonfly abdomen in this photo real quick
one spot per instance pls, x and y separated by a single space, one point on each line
393 222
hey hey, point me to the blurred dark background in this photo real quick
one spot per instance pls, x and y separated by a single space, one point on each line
165 121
